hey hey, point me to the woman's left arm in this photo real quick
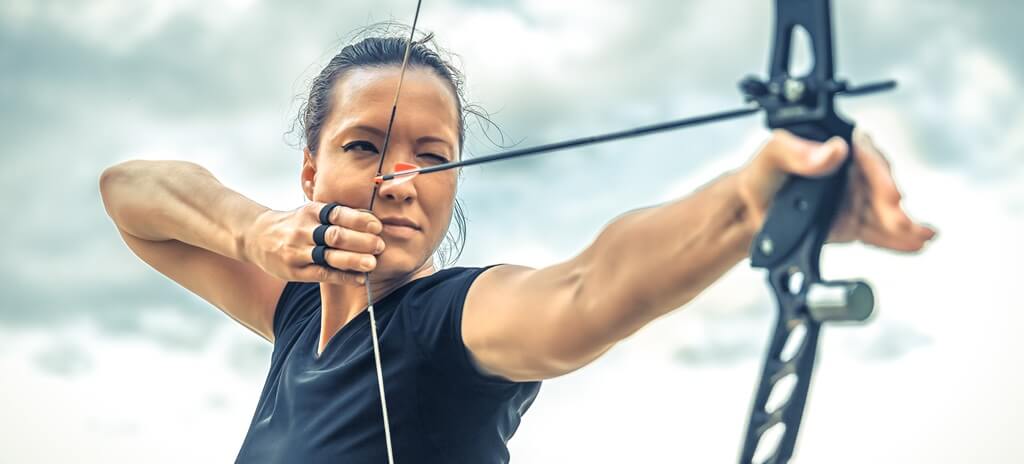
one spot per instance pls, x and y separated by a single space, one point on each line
530 324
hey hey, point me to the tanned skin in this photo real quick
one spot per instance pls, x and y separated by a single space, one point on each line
238 254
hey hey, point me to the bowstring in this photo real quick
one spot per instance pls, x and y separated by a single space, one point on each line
366 275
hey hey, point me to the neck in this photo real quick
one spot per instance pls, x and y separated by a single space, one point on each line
340 303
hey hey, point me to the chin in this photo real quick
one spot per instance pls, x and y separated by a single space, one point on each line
394 263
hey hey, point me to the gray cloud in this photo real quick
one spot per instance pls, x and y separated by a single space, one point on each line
63 359
73 102
726 338
214 85
892 341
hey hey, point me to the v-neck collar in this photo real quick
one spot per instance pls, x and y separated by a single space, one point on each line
382 306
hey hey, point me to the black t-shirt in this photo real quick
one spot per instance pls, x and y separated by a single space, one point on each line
327 409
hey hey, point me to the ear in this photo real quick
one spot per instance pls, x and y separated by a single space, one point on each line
308 174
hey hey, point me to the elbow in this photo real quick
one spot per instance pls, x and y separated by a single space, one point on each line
120 174
112 184
109 179
122 190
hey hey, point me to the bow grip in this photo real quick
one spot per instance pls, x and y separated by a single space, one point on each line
804 207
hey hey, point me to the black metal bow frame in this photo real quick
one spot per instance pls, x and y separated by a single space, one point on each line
795 228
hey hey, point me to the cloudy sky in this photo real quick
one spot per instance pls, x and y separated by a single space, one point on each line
104 360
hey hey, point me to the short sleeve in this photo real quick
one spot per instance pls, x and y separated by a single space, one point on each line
298 301
436 323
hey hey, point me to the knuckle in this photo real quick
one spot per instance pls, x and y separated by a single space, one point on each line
362 262
355 262
340 214
339 237
368 222
312 208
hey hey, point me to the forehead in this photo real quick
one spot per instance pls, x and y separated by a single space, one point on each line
365 96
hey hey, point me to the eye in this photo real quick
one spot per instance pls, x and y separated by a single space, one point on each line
360 145
434 157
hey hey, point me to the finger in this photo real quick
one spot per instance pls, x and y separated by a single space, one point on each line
884 196
349 261
794 155
355 219
854 209
902 227
861 137
908 242
318 273
877 175
352 240
893 220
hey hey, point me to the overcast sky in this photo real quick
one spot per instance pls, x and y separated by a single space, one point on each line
104 360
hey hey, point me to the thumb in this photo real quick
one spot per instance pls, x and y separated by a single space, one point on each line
794 155
785 154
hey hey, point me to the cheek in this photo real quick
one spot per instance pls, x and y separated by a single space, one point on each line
438 204
342 184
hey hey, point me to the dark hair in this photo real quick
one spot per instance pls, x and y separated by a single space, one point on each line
382 51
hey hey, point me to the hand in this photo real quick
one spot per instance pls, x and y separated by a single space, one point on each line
281 243
870 211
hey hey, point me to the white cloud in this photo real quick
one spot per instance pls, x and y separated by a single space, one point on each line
948 321
137 403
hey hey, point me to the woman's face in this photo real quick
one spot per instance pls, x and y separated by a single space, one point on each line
425 133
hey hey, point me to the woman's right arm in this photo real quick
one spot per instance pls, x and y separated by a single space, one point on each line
229 250
184 223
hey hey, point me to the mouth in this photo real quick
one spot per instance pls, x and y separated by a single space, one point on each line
399 227
399 221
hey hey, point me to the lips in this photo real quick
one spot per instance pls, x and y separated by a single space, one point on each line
399 227
399 221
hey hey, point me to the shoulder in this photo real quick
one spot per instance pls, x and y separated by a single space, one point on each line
445 282
441 293
432 308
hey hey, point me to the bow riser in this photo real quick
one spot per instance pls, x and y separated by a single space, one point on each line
795 229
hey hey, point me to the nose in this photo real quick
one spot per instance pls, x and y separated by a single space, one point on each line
403 192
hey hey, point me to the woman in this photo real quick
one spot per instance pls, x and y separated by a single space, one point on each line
463 349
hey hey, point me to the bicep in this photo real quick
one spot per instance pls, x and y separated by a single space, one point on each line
529 324
241 290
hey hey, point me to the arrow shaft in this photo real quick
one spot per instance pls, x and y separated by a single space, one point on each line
582 141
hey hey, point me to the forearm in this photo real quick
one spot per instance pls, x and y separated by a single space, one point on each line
652 261
178 200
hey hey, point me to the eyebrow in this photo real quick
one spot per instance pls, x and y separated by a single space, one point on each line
379 133
371 129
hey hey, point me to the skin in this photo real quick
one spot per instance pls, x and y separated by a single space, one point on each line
519 323
425 133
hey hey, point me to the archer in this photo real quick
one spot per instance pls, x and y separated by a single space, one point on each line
462 351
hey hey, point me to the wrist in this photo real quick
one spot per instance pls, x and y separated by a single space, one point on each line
749 210
246 237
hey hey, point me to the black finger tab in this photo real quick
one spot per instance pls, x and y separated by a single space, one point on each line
325 212
319 234
318 256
